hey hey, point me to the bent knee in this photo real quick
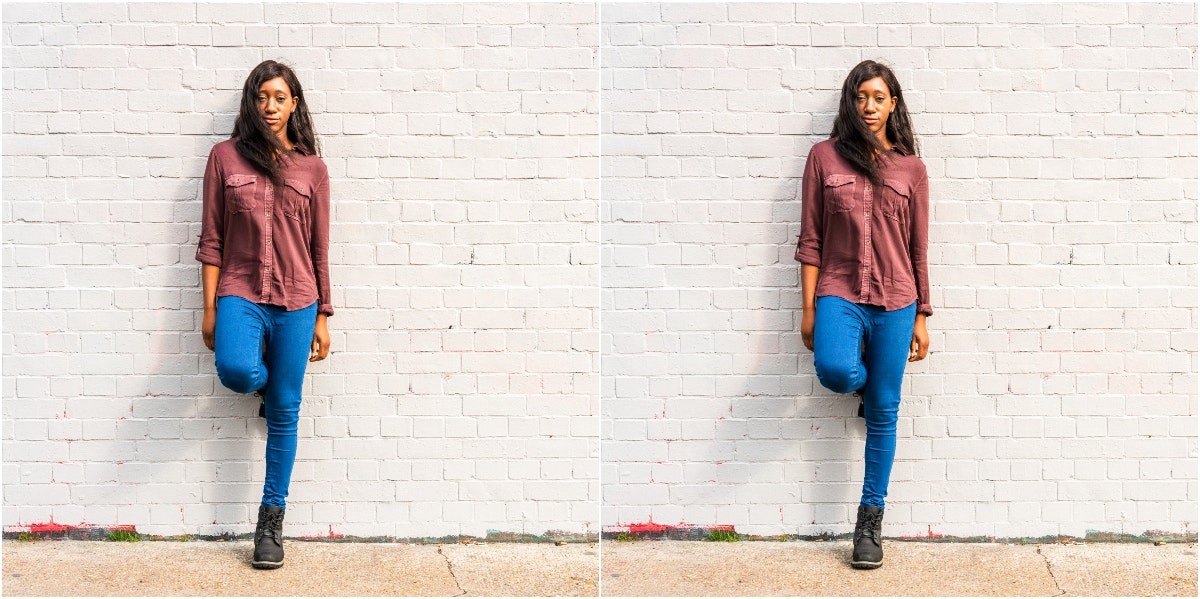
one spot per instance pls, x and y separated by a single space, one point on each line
839 378
239 378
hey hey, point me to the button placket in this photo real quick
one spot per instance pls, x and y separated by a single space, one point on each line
268 254
868 205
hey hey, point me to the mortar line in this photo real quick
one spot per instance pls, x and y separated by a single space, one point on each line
450 568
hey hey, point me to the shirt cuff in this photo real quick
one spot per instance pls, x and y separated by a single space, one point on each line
208 256
925 309
326 309
808 256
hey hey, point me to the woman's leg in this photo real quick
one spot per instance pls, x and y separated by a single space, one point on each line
289 340
837 345
887 343
241 325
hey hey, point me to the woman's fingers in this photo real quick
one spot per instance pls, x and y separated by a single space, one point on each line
319 350
918 349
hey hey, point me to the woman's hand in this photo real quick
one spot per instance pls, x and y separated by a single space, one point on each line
808 324
208 328
320 342
920 340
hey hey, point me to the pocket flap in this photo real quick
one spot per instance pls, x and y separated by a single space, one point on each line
898 186
300 187
838 180
239 180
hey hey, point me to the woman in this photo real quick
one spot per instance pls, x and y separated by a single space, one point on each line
264 246
864 274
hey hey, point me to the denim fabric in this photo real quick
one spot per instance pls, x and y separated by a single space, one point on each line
858 346
262 346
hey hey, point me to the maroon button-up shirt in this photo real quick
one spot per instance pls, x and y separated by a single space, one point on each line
270 242
869 241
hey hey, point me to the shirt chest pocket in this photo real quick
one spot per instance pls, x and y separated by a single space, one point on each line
896 196
239 193
839 193
297 199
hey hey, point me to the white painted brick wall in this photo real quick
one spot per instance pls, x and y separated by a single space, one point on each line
461 143
1060 396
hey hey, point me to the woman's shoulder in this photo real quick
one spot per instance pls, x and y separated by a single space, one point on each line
224 147
911 163
311 162
824 147
225 153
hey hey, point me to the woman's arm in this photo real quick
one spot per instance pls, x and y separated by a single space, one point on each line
209 275
212 242
808 291
319 252
919 250
920 340
808 248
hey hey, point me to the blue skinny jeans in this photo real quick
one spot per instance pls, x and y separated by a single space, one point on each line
259 346
857 346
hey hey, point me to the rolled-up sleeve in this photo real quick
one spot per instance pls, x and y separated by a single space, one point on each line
212 221
319 249
808 249
919 244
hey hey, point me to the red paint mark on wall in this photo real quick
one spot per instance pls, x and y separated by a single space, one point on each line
652 527
47 528
648 527
930 534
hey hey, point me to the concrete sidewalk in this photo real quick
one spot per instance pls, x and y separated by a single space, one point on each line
757 568
639 568
217 568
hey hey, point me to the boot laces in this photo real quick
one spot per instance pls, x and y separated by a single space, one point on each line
868 526
270 526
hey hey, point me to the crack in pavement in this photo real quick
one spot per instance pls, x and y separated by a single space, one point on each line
453 576
1049 571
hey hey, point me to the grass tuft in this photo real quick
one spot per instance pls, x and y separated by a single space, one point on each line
126 536
723 536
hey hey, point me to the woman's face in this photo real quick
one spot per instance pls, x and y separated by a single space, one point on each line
875 104
276 104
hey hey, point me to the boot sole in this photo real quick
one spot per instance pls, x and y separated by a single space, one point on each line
861 565
261 565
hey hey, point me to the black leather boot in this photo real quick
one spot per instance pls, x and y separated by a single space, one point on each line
868 539
268 538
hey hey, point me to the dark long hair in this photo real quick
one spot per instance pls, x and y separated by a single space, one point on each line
255 140
855 142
